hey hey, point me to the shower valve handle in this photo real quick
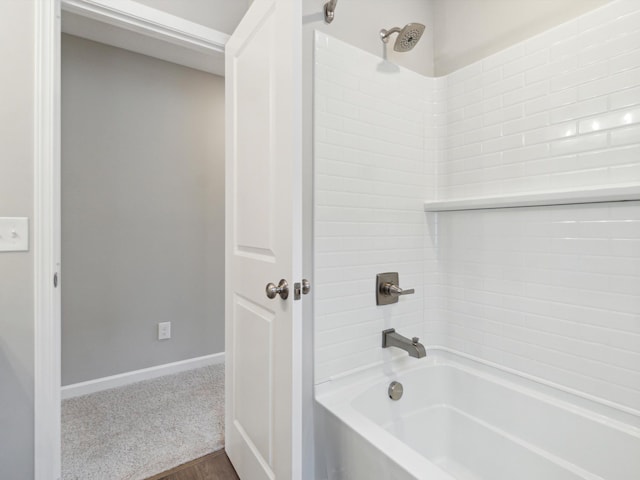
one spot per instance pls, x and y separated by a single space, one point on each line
387 289
394 290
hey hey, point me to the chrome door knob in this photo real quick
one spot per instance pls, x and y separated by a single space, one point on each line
282 289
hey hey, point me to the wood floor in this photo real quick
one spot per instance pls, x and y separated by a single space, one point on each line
215 466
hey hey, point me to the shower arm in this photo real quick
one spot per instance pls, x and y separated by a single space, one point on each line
329 10
384 34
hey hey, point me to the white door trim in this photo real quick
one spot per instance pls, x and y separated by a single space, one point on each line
151 22
46 240
139 28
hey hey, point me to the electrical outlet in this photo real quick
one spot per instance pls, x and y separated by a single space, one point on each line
164 330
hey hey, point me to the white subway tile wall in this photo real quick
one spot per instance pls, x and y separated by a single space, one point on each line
553 292
372 174
541 108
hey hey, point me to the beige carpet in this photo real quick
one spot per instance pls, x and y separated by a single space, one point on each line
136 431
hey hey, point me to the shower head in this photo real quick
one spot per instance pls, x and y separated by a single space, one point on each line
408 36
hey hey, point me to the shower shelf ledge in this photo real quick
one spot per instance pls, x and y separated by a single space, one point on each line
609 193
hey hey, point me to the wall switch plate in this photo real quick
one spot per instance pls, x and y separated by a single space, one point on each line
14 234
164 330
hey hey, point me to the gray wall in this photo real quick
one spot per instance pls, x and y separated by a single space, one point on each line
142 211
16 269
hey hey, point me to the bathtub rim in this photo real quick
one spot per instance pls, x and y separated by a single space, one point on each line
603 411
337 397
398 452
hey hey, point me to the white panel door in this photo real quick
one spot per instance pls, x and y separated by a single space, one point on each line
263 222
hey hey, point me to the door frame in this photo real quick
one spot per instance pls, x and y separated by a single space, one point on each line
47 222
47 226
46 241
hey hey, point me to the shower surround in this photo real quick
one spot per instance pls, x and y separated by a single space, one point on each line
548 292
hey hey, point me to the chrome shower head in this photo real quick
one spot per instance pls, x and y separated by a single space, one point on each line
408 36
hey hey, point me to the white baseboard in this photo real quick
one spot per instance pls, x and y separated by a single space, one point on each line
99 384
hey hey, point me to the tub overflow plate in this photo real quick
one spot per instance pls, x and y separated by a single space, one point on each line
395 391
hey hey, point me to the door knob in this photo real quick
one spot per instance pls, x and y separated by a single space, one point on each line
282 289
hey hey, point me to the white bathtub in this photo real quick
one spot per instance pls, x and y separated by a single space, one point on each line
464 420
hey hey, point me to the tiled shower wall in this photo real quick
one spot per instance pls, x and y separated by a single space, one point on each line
373 168
560 110
553 292
550 291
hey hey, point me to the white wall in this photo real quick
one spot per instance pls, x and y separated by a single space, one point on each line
16 269
142 211
371 175
552 291
559 110
359 22
466 31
